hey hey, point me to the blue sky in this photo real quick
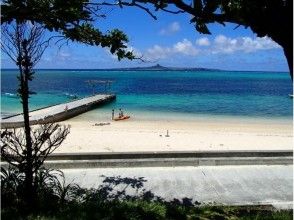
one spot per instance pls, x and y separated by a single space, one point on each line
170 41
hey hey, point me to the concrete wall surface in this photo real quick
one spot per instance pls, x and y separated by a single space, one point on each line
231 185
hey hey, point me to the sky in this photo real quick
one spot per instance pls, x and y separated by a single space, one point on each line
169 41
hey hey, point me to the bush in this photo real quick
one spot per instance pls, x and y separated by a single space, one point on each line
58 200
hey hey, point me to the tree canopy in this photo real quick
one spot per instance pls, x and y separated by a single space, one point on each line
72 19
23 24
272 18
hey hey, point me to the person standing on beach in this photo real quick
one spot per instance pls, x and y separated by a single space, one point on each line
112 116
120 114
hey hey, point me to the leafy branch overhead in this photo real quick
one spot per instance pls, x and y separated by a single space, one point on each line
272 18
258 15
73 19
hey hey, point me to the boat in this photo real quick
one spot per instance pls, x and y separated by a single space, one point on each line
121 118
291 96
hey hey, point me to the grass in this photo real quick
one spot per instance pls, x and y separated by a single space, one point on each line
150 210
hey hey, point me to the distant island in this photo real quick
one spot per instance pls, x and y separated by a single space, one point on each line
160 68
156 67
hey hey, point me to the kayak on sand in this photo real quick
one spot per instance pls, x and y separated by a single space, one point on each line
121 118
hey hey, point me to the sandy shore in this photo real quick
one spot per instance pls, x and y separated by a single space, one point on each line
132 135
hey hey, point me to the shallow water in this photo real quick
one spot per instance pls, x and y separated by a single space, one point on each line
154 95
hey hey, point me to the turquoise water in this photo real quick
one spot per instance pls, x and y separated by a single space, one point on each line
155 94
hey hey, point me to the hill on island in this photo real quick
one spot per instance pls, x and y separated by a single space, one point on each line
160 68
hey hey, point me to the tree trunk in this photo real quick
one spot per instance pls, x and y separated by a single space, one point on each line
29 193
286 42
289 56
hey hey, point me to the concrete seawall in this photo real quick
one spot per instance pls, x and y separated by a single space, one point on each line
167 159
170 154
57 113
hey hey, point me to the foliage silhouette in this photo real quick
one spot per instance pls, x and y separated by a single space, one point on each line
29 176
272 18
23 24
116 198
73 20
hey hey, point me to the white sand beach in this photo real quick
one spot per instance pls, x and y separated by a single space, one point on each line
196 135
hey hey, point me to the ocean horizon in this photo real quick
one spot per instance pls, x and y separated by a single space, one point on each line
122 69
161 94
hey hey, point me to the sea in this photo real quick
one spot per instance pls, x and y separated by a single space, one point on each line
160 95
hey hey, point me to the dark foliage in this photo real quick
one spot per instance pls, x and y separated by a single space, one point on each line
117 198
23 23
65 201
27 148
27 180
73 20
46 138
272 18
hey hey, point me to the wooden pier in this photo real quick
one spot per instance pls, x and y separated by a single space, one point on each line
58 112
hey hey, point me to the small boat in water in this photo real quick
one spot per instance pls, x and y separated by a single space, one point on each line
291 96
121 118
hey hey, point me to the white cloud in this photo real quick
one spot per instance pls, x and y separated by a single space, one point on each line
157 52
223 44
46 58
170 29
63 55
203 41
220 45
185 47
